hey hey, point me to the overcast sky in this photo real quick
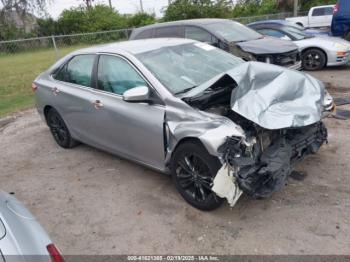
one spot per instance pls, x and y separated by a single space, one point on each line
123 6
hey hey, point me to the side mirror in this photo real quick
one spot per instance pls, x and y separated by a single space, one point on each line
137 94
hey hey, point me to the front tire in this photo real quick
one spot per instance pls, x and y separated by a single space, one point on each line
59 130
193 170
313 59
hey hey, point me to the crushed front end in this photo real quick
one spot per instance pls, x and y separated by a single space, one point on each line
262 163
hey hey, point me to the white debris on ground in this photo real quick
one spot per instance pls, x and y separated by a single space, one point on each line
225 185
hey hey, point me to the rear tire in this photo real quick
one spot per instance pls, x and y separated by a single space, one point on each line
313 59
193 170
59 130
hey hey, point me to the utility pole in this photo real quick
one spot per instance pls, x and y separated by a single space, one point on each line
110 4
141 5
295 8
169 2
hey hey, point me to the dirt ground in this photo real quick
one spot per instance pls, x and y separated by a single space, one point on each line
91 202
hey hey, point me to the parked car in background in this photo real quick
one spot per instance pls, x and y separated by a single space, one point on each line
316 52
230 36
341 19
319 16
21 236
190 109
309 31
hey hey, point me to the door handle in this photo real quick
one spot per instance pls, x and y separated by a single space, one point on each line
55 91
98 104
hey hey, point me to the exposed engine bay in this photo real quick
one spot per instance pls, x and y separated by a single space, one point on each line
262 161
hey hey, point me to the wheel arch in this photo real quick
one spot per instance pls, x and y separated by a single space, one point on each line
46 111
188 139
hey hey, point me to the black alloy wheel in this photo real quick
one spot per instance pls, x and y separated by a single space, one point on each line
193 171
313 59
59 130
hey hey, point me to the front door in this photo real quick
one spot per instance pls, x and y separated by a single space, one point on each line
134 130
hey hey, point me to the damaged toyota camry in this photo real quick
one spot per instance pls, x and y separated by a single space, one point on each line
220 126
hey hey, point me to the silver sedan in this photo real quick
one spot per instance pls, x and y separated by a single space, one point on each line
219 125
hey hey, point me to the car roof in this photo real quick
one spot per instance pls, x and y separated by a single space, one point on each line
135 46
201 22
277 22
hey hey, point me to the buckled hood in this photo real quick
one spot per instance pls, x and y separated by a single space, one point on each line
271 96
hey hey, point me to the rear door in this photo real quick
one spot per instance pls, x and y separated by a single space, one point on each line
73 97
321 16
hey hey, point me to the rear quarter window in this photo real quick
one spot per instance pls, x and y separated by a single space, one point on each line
148 33
319 11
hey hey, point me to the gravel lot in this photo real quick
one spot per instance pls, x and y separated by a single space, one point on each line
91 202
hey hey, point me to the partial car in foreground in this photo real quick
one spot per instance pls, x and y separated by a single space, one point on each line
227 35
341 19
21 236
316 52
218 124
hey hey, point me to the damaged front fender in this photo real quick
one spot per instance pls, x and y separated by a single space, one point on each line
212 130
260 171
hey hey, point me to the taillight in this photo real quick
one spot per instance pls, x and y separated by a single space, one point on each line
54 253
34 87
336 8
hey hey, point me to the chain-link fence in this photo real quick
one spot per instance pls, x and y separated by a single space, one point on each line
22 60
60 43
278 16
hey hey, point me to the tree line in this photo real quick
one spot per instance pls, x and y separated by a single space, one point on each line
92 18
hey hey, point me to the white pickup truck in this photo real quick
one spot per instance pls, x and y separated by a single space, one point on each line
319 16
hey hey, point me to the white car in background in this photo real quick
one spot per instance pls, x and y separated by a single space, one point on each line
319 16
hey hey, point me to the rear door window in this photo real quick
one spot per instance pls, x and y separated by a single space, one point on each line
319 12
77 71
145 34
198 34
328 11
171 31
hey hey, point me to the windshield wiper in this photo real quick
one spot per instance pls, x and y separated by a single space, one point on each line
185 90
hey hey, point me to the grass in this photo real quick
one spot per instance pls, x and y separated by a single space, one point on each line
17 73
